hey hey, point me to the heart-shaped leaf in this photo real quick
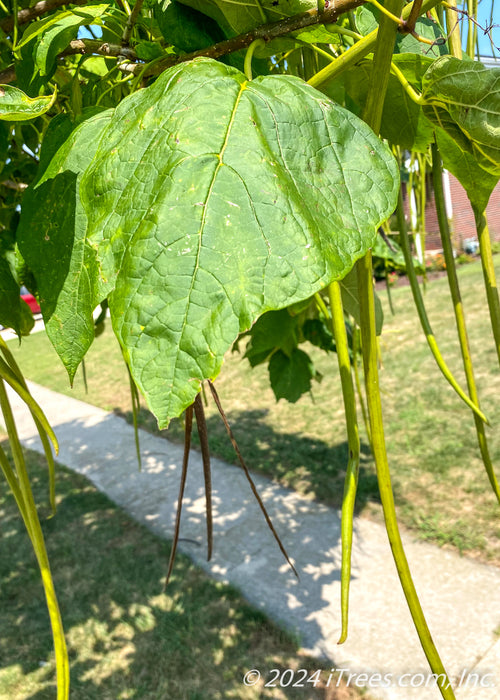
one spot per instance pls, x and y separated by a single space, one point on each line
213 199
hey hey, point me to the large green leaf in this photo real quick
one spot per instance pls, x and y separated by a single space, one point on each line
463 98
52 237
212 200
15 106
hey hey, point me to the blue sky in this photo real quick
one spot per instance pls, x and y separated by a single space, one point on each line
484 13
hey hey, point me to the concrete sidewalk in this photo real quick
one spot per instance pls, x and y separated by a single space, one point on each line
460 597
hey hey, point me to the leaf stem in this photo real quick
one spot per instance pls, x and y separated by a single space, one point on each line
410 91
247 66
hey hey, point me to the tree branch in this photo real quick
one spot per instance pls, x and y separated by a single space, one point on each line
267 32
132 18
24 16
99 47
8 75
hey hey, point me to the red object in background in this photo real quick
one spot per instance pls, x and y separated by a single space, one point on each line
30 300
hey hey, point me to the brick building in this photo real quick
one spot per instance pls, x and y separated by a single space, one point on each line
460 214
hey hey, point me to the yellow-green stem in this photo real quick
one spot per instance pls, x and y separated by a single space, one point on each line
437 177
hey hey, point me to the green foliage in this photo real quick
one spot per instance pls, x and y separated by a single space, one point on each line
186 225
15 106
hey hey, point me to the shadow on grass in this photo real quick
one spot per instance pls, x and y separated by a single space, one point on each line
312 467
126 638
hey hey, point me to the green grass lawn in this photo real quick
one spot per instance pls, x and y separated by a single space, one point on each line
126 638
441 488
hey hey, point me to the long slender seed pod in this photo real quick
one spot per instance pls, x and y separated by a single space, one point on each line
201 424
369 346
422 314
185 461
490 281
437 176
249 478
352 471
30 516
356 350
10 378
40 428
373 115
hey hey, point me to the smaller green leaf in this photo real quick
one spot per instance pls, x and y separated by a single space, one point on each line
184 27
463 98
477 182
52 238
57 36
274 329
14 312
80 16
291 375
238 17
16 106
318 334
350 301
